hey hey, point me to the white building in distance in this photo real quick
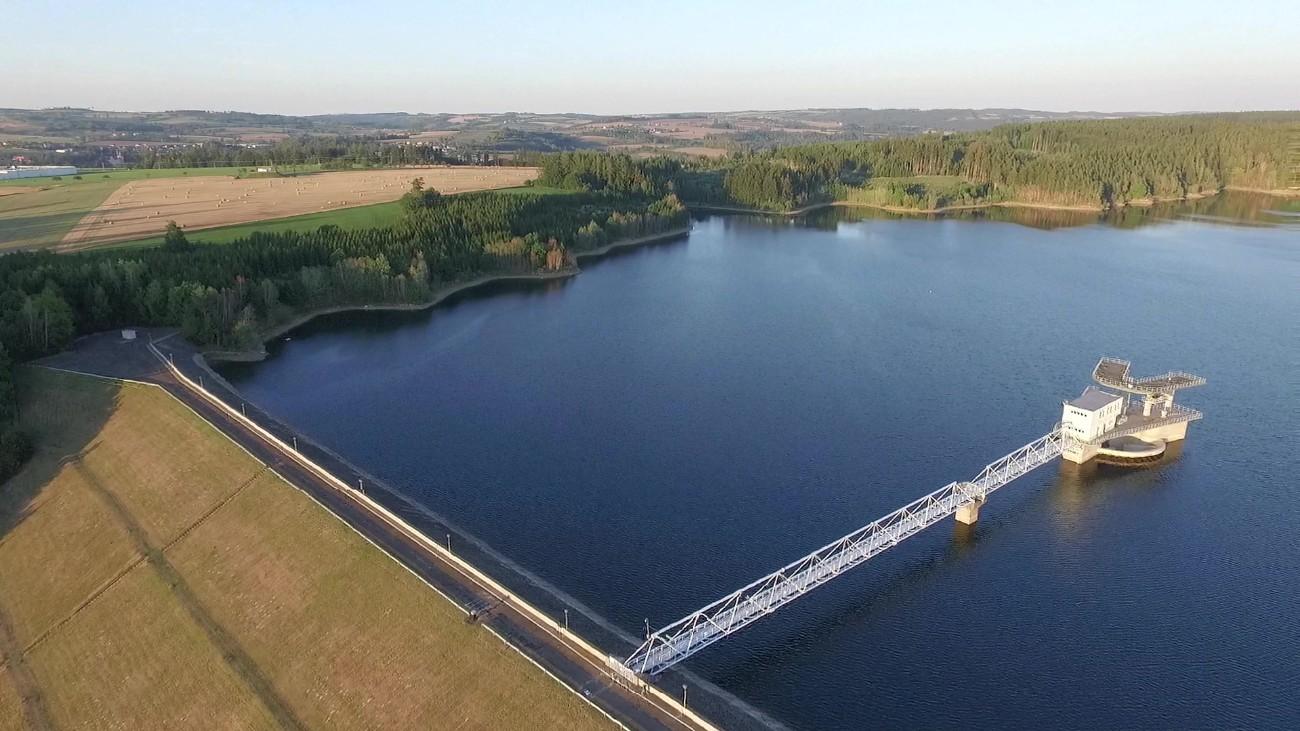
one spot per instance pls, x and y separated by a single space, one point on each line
36 171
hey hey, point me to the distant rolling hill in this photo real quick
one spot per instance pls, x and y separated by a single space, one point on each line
27 132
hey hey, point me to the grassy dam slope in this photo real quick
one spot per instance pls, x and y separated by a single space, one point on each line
154 575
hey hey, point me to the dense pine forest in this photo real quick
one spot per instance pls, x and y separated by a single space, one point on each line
1095 164
615 173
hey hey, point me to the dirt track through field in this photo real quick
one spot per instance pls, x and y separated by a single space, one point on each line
29 693
235 655
142 208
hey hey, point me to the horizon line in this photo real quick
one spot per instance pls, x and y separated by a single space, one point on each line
1127 112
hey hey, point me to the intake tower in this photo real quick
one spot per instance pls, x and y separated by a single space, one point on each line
1128 420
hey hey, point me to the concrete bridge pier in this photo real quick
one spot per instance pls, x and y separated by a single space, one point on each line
970 512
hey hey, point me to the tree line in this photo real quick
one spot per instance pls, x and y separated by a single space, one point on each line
226 296
1106 163
609 172
325 150
1095 163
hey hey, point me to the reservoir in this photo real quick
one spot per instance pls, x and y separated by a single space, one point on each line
684 417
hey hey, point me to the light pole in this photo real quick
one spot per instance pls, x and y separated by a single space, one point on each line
647 628
448 543
295 444
361 486
683 696
566 618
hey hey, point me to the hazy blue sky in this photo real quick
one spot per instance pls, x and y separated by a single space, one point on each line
304 57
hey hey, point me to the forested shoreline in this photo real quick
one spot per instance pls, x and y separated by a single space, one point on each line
228 296
1077 164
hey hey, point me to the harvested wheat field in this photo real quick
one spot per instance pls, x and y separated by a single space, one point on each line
142 208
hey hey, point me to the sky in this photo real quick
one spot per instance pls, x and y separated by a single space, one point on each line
629 57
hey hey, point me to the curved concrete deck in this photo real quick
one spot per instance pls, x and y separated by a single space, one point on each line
1131 450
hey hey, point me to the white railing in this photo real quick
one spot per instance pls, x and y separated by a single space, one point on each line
1164 383
1168 382
731 613
1177 413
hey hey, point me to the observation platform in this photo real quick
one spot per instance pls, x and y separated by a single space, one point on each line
1113 373
1107 424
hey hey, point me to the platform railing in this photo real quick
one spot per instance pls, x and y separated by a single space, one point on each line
1177 413
1123 380
1189 379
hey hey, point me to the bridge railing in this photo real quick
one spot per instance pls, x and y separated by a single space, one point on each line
733 612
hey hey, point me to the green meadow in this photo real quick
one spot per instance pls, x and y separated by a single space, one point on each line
377 215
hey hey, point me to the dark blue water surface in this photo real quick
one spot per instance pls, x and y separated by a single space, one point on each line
682 418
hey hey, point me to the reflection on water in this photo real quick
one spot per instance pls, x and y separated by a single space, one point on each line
1080 488
1230 207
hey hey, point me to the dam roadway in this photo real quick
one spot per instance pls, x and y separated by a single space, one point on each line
107 355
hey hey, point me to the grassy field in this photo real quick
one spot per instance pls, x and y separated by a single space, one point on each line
141 208
40 212
48 209
42 217
372 216
358 217
122 176
11 715
153 575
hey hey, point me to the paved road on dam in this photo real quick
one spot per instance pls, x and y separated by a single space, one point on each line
108 355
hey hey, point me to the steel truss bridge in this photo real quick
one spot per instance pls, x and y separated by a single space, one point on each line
694 632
